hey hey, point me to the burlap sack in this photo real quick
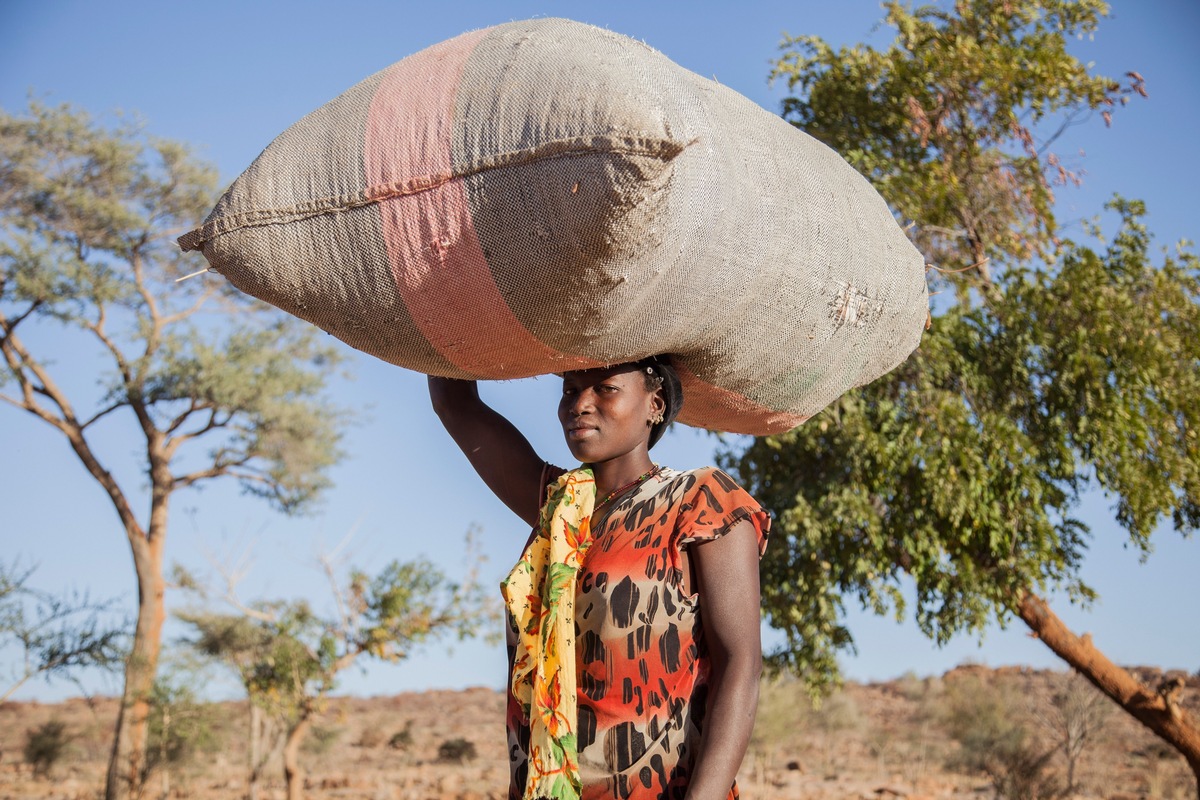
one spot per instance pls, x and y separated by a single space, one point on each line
546 195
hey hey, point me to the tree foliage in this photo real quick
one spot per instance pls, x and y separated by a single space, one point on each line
954 122
87 247
57 635
212 383
288 657
964 469
182 729
1074 367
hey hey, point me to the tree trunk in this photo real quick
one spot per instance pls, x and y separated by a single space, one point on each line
263 743
292 771
255 750
1156 710
128 755
165 764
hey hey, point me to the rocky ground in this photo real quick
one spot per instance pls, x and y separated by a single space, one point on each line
886 740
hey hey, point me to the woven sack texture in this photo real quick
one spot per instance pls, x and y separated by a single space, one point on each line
546 195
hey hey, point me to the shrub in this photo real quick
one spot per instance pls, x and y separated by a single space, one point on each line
45 745
837 712
986 719
457 750
370 737
181 727
320 739
402 738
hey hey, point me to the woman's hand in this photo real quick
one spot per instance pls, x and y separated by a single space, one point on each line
726 571
497 450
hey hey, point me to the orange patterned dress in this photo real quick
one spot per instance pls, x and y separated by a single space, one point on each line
641 662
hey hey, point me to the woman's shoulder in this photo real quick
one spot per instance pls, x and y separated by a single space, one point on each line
710 502
703 476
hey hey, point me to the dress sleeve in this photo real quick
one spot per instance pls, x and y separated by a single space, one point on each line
550 474
712 505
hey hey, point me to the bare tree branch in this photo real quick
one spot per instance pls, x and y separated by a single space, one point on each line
174 442
102 413
179 316
217 470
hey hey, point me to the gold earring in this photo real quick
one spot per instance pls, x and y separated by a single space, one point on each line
657 418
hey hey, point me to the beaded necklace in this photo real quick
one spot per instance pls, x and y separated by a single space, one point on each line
654 470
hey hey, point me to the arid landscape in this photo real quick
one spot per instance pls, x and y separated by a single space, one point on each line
907 738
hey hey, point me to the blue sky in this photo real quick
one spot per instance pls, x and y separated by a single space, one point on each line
228 76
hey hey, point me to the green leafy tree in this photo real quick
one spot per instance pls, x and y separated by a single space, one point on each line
954 123
1063 368
288 657
57 635
214 384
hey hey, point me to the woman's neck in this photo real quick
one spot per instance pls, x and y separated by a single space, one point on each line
611 475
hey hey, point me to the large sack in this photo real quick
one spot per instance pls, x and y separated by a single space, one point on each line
546 195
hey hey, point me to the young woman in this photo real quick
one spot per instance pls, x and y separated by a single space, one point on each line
634 610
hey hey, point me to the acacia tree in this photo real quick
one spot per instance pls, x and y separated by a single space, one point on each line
212 384
1060 370
288 657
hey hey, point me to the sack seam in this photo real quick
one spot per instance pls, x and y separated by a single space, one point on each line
664 149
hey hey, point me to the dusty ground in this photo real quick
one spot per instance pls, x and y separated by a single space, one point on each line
881 741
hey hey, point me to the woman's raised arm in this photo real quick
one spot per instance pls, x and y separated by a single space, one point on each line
496 449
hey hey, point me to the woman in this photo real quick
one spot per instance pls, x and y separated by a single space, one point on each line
634 611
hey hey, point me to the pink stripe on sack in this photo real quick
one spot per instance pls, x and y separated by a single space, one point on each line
435 255
708 406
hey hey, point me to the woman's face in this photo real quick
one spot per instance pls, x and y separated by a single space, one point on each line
605 413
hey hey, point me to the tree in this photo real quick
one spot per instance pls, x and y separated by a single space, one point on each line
212 384
1078 715
56 634
288 657
954 122
183 728
1062 368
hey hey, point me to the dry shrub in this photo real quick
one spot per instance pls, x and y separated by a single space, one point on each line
403 738
45 746
990 722
458 751
371 737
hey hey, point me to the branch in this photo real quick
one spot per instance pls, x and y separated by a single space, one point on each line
11 690
95 417
171 319
134 398
345 660
139 279
19 361
97 329
347 621
173 443
217 470
9 326
232 577
20 364
193 407
1171 724
1071 121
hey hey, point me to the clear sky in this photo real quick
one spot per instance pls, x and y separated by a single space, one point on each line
227 76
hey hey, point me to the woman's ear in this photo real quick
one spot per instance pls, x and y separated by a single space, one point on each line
658 405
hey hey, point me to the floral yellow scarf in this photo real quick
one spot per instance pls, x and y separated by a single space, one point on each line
540 595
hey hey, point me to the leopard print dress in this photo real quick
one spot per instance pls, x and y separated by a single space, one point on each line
641 660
